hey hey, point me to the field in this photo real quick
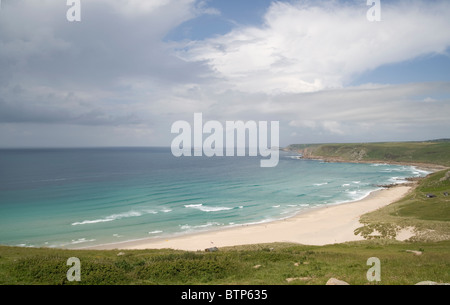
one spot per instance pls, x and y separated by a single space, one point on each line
270 264
430 217
430 152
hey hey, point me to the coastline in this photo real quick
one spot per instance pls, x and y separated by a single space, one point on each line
319 226
429 167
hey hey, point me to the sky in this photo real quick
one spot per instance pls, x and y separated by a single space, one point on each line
129 69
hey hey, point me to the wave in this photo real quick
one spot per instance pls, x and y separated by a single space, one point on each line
208 224
356 195
419 172
51 180
155 232
115 217
379 164
81 240
203 208
398 180
320 184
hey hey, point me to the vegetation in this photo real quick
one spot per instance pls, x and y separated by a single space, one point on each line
265 264
431 152
430 217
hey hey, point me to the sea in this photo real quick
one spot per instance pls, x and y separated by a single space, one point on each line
83 197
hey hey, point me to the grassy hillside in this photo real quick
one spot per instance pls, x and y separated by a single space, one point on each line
268 264
437 152
429 216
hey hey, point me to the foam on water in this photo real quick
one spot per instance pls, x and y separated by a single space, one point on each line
115 195
203 208
115 217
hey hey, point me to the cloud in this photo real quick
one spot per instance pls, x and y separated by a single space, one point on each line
375 111
113 79
307 46
100 71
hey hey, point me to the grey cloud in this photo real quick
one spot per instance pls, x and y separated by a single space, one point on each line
46 114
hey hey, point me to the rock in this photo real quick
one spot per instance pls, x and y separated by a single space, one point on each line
291 279
426 283
333 281
431 283
415 252
445 193
213 249
120 254
257 266
446 177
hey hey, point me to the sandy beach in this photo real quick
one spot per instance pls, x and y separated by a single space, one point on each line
320 226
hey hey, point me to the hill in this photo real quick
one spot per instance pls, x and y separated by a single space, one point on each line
436 152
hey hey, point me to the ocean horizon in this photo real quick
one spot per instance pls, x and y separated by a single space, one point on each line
82 197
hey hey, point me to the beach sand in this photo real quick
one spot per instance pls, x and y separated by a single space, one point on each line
320 226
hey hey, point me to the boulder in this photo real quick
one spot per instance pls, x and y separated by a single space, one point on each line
213 249
423 283
333 281
446 177
415 252
426 283
291 279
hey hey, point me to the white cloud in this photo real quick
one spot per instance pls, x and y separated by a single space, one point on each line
113 80
307 47
133 8
429 100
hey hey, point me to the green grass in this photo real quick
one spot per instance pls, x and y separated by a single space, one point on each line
417 152
430 216
420 207
234 265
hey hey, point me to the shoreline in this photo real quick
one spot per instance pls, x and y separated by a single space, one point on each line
318 226
429 167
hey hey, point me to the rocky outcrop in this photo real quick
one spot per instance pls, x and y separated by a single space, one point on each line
431 283
333 281
446 177
213 249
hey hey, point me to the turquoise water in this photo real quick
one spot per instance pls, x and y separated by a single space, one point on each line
75 198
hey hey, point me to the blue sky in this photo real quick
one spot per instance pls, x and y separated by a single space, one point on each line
129 69
428 68
230 14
